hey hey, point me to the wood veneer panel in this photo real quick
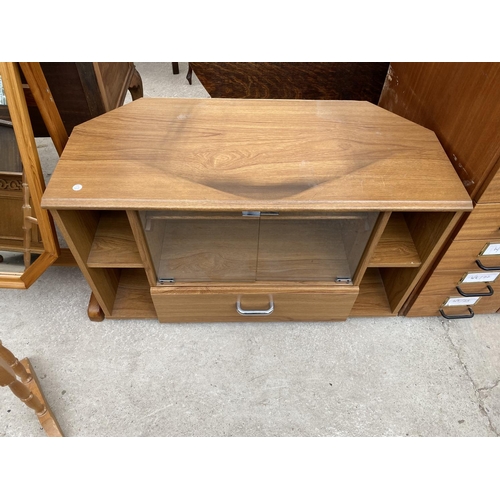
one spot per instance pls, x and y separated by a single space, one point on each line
288 80
429 232
360 243
482 223
372 299
294 303
428 305
270 155
133 297
113 80
463 255
445 282
114 244
142 245
460 101
396 247
491 191
78 228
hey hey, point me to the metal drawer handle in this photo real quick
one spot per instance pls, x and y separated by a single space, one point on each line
481 294
465 316
484 268
265 312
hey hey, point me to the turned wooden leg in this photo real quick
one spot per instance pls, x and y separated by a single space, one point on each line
47 419
94 310
28 389
175 68
189 75
135 86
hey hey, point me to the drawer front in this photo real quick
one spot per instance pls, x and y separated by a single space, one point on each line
482 223
463 255
492 192
445 283
221 303
429 305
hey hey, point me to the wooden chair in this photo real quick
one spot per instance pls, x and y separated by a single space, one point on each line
27 389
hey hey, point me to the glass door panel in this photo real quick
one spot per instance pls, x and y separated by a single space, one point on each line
326 248
190 249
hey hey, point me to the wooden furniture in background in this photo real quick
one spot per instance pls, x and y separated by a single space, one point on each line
21 379
461 103
236 200
32 189
286 80
84 90
81 91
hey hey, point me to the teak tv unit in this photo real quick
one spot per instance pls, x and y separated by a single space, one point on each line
252 210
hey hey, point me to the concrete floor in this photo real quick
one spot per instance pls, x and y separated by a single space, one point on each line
362 377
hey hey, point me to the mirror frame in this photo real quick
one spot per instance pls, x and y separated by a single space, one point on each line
18 109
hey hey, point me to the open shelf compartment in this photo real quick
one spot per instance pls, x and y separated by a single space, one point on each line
114 244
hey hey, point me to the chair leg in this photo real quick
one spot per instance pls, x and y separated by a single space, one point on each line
28 389
175 68
47 419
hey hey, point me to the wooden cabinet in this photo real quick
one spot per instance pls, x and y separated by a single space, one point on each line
359 81
242 210
461 103
84 90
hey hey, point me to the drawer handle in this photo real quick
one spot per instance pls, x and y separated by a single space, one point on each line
265 312
484 268
465 316
481 294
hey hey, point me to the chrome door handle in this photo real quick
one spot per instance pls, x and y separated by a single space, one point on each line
265 312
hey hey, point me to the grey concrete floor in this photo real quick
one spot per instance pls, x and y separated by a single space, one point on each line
362 377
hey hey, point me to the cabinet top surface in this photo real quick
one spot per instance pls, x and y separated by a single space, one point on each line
230 154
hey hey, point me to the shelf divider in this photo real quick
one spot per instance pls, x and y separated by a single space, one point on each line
396 247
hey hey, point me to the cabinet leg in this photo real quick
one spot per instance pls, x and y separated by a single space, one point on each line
94 310
135 86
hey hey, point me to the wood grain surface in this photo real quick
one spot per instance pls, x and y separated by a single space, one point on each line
293 303
291 80
225 154
396 247
460 101
114 244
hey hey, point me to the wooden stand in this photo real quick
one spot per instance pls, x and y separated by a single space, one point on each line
156 202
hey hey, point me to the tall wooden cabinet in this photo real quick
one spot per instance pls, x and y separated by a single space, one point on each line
251 210
461 103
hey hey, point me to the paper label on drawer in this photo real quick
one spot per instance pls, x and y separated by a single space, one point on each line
480 277
461 301
491 249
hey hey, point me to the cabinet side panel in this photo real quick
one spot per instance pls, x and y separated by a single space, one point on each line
460 102
142 245
78 228
368 249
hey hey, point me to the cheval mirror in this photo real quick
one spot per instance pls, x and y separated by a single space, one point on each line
28 240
